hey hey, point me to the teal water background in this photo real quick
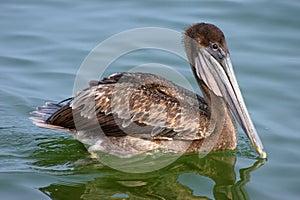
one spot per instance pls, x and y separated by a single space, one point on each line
44 43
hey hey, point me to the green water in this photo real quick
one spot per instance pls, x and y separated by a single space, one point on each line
42 47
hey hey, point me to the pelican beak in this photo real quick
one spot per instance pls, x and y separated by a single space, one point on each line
214 68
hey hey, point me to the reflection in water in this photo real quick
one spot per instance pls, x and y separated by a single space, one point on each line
162 184
56 154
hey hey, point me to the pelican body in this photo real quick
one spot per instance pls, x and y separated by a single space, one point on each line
126 114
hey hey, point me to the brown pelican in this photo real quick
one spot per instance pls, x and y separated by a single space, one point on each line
131 113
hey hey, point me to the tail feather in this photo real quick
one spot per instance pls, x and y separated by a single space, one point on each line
43 115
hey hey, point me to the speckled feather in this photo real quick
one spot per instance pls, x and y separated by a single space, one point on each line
143 104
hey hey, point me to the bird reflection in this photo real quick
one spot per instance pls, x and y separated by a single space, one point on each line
164 183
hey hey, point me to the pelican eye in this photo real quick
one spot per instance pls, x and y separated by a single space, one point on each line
215 50
214 46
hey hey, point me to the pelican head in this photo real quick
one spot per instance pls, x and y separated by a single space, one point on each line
210 60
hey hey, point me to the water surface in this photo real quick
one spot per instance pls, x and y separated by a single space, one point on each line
42 47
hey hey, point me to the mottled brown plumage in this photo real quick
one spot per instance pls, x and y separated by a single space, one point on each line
130 113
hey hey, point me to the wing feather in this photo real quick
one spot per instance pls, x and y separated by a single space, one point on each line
140 103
